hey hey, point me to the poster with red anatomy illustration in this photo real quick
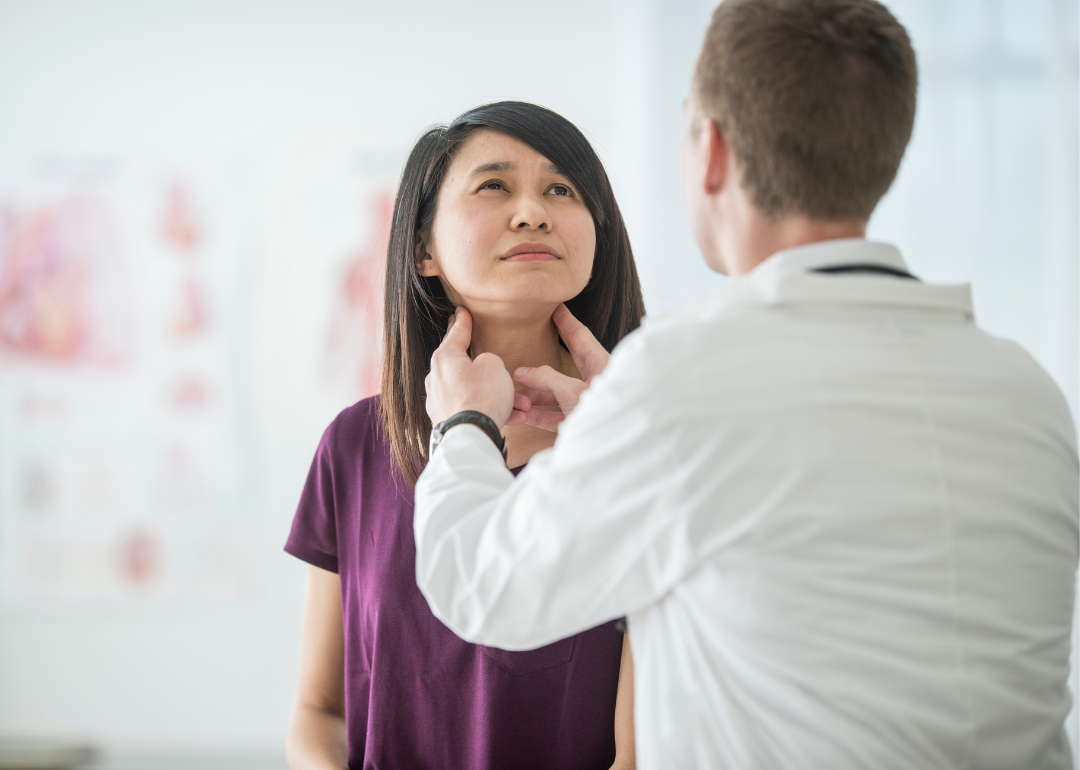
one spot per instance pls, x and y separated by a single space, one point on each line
125 466
128 451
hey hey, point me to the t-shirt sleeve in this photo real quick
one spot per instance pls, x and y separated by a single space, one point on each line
313 537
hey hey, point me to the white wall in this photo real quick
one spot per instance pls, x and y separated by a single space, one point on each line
292 92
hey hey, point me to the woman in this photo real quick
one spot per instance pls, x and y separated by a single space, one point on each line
507 212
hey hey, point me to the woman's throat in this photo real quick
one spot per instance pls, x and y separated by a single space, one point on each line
526 344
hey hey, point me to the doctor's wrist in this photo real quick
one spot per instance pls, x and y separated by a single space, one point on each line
468 417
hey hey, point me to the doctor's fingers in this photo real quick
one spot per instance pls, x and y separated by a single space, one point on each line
589 355
458 332
540 418
522 401
545 380
537 398
517 417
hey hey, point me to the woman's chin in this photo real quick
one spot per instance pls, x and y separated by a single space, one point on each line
519 305
537 294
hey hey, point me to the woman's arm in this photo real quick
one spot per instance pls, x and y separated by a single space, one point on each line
625 754
317 738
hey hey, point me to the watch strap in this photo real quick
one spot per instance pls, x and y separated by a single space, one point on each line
479 419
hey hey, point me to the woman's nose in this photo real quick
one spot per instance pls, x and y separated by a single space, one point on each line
530 214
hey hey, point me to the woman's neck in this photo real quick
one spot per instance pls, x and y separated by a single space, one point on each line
523 341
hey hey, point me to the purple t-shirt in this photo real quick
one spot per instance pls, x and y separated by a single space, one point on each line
417 696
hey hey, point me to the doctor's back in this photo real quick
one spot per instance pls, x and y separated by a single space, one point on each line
881 504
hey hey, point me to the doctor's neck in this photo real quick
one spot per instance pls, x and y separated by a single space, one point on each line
749 238
520 339
740 236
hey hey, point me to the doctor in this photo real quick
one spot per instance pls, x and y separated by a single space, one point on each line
840 519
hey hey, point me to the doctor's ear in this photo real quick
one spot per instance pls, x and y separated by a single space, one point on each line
425 263
717 155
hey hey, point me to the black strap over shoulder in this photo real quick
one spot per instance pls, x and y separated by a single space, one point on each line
867 267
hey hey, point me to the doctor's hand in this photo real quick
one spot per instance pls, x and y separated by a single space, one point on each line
543 386
457 383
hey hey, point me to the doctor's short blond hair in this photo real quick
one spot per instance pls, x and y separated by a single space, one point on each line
816 99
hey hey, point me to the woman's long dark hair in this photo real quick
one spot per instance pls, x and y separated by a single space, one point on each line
416 308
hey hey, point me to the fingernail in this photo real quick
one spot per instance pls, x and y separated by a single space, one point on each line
521 371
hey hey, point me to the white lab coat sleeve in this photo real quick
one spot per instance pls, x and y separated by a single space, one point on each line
591 530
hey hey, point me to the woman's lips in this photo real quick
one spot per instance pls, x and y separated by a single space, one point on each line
530 252
531 256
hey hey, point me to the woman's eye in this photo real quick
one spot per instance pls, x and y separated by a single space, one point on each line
561 189
492 186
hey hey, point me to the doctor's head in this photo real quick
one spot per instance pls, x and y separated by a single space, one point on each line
507 211
799 112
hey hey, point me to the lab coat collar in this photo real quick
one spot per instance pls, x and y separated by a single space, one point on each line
841 251
786 278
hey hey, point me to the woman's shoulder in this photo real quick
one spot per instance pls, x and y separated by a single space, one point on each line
357 431
349 479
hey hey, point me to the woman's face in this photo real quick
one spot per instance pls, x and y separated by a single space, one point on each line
511 233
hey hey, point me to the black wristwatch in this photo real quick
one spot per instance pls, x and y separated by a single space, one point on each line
479 419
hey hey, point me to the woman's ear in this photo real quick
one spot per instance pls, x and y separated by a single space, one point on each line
425 263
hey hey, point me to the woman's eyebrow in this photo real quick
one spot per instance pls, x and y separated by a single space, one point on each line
487 168
505 165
